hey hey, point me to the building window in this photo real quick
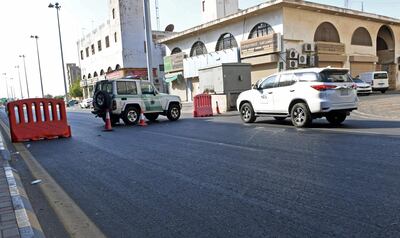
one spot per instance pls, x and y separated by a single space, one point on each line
261 29
99 45
361 36
203 5
113 13
176 50
95 74
198 48
81 54
109 69
161 67
115 37
226 41
92 48
117 67
87 52
101 72
327 32
107 41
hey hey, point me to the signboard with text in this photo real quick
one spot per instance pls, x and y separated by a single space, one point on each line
174 62
261 45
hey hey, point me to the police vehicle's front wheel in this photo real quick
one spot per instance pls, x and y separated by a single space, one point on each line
174 112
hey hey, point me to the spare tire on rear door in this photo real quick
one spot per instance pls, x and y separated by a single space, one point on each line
102 100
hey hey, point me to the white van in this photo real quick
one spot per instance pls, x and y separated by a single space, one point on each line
379 80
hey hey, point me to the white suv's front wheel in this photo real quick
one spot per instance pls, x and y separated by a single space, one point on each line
247 113
300 115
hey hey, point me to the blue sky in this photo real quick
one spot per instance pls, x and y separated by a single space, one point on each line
20 19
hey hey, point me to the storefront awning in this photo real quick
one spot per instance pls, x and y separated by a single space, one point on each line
171 77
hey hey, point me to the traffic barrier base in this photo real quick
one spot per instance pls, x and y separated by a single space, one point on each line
202 106
142 121
37 119
107 126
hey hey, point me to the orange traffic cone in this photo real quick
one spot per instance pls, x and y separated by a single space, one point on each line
107 126
142 121
218 112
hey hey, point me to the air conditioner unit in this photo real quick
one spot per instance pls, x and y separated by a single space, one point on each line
312 61
308 48
302 59
293 54
293 64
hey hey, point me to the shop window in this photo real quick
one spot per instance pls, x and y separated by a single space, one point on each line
261 29
226 41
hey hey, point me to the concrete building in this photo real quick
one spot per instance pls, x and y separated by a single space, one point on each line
282 35
74 73
117 47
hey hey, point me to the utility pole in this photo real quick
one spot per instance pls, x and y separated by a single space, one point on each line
149 39
19 79
26 77
12 88
158 16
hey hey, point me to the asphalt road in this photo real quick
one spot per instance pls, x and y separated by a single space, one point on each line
219 178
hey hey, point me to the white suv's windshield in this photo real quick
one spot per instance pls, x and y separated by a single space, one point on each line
335 76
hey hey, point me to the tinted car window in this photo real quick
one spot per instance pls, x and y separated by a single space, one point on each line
335 76
306 77
269 82
107 86
147 88
126 88
380 76
286 80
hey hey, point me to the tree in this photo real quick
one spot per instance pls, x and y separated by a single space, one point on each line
75 90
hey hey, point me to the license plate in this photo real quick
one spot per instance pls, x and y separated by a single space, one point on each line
344 92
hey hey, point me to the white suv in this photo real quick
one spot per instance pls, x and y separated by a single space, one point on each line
302 95
126 98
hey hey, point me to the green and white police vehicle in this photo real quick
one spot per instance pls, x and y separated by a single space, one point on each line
126 98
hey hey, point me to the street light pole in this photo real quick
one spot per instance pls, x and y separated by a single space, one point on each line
57 7
26 77
40 69
5 78
149 39
19 79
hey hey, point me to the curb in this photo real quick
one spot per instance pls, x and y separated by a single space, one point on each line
27 222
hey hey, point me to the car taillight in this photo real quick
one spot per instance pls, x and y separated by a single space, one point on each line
114 105
323 87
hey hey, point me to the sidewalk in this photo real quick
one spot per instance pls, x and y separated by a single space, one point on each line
380 106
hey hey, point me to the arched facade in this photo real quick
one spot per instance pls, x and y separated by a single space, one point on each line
261 29
327 32
95 74
226 41
89 76
109 70
361 37
198 48
101 72
176 50
117 67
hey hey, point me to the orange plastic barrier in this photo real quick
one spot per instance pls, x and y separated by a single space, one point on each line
202 106
36 119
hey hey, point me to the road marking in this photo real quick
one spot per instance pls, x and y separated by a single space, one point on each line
75 221
206 141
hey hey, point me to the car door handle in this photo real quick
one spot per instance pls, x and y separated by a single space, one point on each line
123 99
292 90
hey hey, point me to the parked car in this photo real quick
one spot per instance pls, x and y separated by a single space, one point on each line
378 80
362 87
126 98
86 103
72 103
302 95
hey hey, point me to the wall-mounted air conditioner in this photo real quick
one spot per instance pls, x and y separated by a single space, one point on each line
308 48
292 54
293 64
302 59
